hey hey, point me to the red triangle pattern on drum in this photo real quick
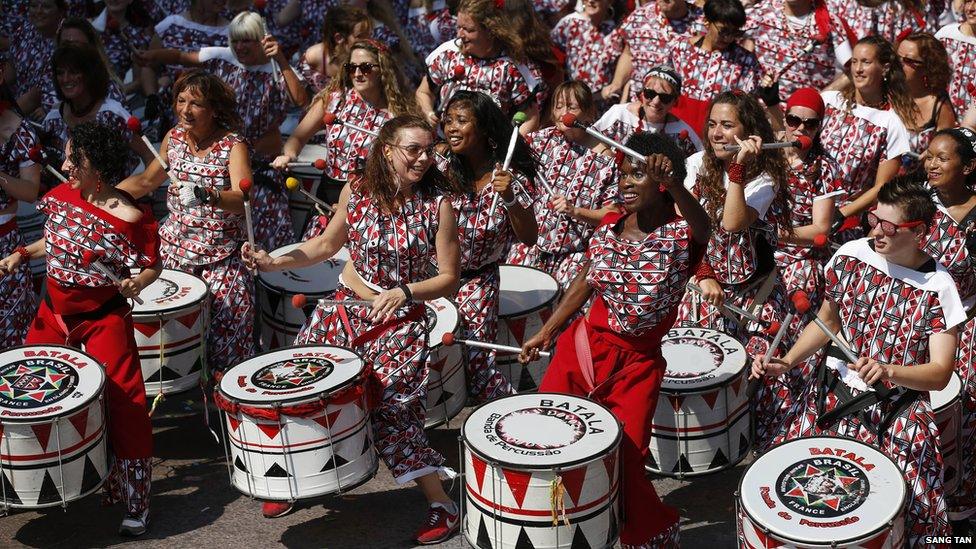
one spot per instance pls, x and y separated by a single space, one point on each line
43 433
439 365
676 401
545 314
234 423
148 330
518 483
189 319
736 384
270 429
879 542
479 470
517 327
573 482
710 398
328 419
80 421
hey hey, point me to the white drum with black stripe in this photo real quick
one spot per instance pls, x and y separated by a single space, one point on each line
52 419
446 390
525 302
171 330
296 423
542 471
702 421
947 405
822 492
300 206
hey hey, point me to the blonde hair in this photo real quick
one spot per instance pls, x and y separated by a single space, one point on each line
391 79
246 25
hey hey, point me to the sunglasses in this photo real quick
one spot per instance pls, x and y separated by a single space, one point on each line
650 94
364 68
889 228
913 63
414 151
795 121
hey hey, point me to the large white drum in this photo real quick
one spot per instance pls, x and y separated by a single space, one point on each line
822 492
947 405
520 453
297 424
280 320
446 389
52 417
299 205
526 301
171 331
30 223
702 421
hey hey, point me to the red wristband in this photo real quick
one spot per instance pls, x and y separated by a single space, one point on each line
737 173
704 270
24 254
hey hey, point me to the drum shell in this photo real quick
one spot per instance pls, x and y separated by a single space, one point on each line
178 336
948 418
447 391
516 326
753 536
30 223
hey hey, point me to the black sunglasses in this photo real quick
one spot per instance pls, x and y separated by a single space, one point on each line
650 94
795 121
365 68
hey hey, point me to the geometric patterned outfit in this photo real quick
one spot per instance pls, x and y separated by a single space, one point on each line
428 29
84 309
887 312
587 179
204 241
887 20
962 51
388 250
591 52
509 84
55 134
651 36
952 244
619 123
638 286
119 42
179 33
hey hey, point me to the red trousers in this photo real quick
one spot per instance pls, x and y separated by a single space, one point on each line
110 340
627 381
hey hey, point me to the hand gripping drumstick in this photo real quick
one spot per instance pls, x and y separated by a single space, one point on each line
246 189
330 118
878 386
801 302
295 185
802 142
569 119
37 157
448 339
734 308
517 122
91 258
135 126
299 301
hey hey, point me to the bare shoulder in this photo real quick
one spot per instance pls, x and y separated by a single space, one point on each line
121 207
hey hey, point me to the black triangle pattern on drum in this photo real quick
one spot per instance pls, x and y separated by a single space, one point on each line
167 375
651 462
526 383
366 446
682 465
240 464
49 491
445 396
276 471
579 540
719 460
11 497
89 476
612 531
523 541
334 462
484 542
197 365
743 444
274 299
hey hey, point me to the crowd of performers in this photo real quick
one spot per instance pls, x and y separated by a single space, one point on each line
450 149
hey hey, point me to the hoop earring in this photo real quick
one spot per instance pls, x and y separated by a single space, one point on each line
98 186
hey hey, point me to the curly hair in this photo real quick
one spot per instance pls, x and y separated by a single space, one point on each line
937 71
83 59
218 95
105 149
379 180
498 23
391 79
772 162
647 143
894 89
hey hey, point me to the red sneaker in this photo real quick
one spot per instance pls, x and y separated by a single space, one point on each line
275 509
438 526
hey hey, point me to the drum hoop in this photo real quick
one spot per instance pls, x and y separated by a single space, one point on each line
614 445
708 387
899 510
361 377
53 417
956 401
152 316
539 307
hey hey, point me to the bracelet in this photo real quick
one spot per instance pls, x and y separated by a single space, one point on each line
406 292
704 270
737 173
24 254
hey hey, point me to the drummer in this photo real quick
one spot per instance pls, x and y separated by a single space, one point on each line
84 308
663 226
900 311
394 221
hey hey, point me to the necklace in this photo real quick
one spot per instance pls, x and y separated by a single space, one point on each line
195 145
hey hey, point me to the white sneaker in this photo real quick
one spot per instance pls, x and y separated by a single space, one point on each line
135 525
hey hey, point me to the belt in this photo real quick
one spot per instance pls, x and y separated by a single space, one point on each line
480 271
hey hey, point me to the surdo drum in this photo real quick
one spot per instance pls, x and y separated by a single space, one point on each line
280 320
309 178
526 301
702 421
446 389
52 417
947 406
297 423
541 470
822 492
170 329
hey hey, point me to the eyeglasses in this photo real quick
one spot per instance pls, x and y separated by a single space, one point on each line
650 94
414 151
365 68
795 121
913 63
889 228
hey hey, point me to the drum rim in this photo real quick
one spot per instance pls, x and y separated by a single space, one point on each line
703 388
262 281
898 510
296 400
436 345
151 315
54 417
539 307
957 401
614 445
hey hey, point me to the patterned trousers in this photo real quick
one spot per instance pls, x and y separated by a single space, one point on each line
477 303
18 302
129 482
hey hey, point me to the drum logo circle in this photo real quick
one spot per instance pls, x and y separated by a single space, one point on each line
169 289
518 428
36 382
823 487
692 369
292 373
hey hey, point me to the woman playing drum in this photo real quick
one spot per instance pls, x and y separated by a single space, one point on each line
394 222
613 353
92 226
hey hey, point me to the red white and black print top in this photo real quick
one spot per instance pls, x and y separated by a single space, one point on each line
485 240
962 51
586 178
120 42
30 53
887 20
651 36
204 234
640 283
501 78
178 32
591 52
819 178
15 155
706 73
348 147
619 124
111 113
954 245
74 227
427 29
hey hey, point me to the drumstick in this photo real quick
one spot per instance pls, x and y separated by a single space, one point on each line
37 157
330 118
299 301
246 189
448 339
730 307
295 185
275 69
801 302
517 122
135 126
90 258
318 164
569 119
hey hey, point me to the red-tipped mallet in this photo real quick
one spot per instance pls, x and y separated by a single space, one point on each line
135 126
448 339
683 134
90 258
295 185
517 122
731 308
318 164
330 118
37 157
259 4
569 120
802 304
458 72
245 185
802 142
299 301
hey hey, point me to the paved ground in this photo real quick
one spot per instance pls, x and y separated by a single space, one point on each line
194 504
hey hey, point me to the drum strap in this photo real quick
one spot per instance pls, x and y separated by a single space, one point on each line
414 314
584 356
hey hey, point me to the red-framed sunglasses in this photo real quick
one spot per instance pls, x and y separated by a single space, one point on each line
889 228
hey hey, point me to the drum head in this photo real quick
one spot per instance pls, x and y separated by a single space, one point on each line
40 382
541 431
525 290
314 280
443 318
699 358
820 490
950 395
292 375
173 290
